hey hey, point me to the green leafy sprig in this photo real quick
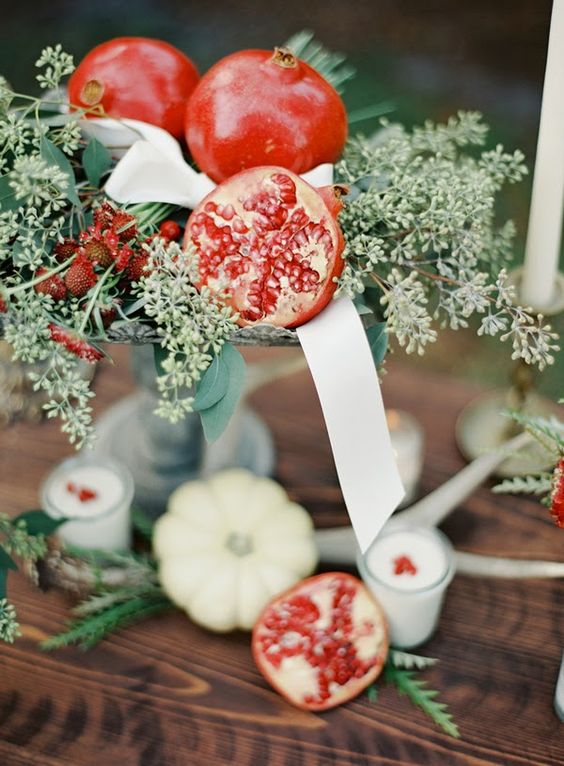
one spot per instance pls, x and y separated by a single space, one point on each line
108 609
549 433
401 671
23 538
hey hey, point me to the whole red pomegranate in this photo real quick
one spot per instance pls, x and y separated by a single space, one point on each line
272 242
136 77
322 642
256 107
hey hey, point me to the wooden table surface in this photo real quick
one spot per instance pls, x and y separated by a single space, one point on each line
166 693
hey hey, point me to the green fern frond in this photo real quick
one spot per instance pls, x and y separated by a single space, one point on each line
548 431
331 66
91 629
406 682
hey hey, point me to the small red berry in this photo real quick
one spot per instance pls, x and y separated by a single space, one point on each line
104 215
138 267
80 277
65 250
97 252
170 230
71 487
3 306
124 225
53 285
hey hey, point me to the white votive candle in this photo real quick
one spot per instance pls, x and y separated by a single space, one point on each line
95 496
408 569
407 443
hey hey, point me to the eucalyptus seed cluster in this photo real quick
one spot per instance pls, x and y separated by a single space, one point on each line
193 324
421 228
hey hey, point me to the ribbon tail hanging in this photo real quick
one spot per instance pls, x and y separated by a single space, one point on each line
341 364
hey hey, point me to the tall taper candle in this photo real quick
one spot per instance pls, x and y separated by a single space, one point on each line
545 220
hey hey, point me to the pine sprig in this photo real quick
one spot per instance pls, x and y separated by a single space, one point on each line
525 485
91 629
406 682
331 66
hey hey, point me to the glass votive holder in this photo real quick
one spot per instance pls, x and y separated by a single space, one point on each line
407 439
95 495
408 569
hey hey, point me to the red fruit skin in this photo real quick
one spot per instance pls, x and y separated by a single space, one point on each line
140 78
170 230
219 269
248 110
80 277
356 685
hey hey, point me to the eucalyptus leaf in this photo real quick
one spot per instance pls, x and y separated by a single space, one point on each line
96 160
378 340
8 199
213 385
39 523
6 561
54 156
216 418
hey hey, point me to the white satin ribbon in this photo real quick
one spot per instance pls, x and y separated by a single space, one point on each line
152 167
334 342
340 361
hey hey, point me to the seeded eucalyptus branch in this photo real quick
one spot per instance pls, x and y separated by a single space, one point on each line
421 229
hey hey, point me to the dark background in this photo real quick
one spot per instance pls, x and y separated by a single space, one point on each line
428 59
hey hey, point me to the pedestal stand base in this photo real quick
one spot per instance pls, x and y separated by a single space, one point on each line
482 427
161 456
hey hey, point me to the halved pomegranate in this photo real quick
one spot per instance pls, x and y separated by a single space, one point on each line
272 243
321 642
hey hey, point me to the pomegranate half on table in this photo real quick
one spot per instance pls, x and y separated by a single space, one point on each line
322 642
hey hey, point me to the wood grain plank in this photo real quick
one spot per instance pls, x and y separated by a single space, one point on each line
168 693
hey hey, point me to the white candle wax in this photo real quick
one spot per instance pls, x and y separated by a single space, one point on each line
408 570
95 496
407 443
545 220
559 695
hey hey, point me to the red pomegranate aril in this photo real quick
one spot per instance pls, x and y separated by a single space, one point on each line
271 242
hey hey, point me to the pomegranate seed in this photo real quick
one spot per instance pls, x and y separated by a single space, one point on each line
404 565
85 494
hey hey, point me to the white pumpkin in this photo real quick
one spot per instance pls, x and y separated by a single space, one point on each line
228 544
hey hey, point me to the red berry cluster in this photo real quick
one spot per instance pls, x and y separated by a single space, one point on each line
557 495
111 242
